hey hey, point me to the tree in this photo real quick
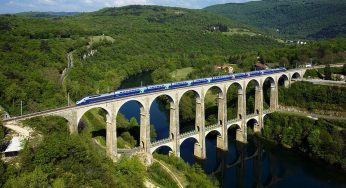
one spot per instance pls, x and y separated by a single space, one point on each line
344 69
133 122
327 72
44 46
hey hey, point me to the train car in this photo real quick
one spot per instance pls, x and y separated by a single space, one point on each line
178 84
95 98
125 93
200 81
240 75
220 78
148 89
255 73
155 88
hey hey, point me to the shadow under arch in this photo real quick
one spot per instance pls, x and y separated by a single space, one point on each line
161 118
296 76
213 106
189 105
234 100
268 89
130 132
187 150
283 81
251 88
165 150
96 118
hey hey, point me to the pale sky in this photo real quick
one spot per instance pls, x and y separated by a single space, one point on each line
14 6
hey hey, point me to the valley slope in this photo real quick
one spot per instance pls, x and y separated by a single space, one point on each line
313 19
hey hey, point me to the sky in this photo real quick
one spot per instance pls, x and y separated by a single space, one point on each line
14 6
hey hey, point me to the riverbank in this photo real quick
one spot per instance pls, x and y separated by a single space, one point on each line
320 139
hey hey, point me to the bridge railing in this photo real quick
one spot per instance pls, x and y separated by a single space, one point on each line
267 111
232 121
210 127
162 141
187 134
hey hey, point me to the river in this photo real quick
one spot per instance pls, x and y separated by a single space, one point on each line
256 164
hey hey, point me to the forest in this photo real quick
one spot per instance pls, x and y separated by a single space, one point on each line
55 158
322 139
294 19
127 41
314 97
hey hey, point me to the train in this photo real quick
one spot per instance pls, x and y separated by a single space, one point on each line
173 85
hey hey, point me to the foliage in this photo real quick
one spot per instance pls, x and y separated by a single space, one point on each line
294 18
327 73
313 97
160 176
33 51
61 159
194 174
322 138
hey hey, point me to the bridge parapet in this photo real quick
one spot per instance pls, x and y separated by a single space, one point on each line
187 134
233 121
211 127
160 142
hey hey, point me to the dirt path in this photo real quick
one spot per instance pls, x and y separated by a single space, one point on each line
19 129
69 66
171 173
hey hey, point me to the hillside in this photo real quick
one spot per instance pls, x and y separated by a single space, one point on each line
312 19
46 14
123 41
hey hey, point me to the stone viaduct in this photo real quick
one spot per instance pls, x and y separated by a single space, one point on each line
74 114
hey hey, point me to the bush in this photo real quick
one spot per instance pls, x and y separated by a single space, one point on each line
160 176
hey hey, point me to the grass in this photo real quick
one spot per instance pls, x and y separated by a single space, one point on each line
181 74
240 31
96 39
181 177
160 176
95 126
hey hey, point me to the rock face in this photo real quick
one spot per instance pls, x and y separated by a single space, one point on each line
146 158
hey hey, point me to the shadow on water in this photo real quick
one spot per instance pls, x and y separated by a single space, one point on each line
262 164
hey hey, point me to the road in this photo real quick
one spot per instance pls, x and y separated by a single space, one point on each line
311 115
326 82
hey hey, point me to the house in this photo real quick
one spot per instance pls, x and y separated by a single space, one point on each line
14 147
227 68
260 66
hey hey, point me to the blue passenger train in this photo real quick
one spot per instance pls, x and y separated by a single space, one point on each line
154 88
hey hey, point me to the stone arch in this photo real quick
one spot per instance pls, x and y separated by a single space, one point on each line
137 134
253 124
196 92
257 83
232 131
192 99
283 80
253 96
214 132
187 149
106 111
234 101
162 123
268 88
82 111
164 149
296 76
218 88
213 108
